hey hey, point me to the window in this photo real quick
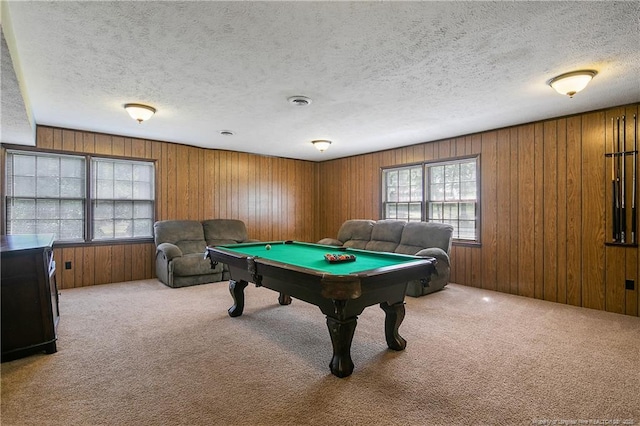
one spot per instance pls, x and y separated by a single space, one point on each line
403 193
49 193
449 195
46 194
123 193
452 196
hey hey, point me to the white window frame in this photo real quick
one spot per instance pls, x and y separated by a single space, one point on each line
35 194
448 197
122 199
458 200
402 196
89 198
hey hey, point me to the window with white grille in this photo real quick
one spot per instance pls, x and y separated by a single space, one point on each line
442 191
79 198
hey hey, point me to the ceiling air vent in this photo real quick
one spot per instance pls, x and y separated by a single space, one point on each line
299 100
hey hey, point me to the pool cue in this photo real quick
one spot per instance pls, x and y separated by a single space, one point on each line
623 157
634 220
614 184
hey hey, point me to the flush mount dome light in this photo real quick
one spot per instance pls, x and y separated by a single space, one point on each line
572 82
140 112
321 144
299 100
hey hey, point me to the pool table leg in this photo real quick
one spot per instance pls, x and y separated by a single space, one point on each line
284 299
393 318
236 288
341 332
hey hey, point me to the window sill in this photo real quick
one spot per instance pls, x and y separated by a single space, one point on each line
463 243
128 241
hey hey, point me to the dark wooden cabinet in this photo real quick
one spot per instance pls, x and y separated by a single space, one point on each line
30 311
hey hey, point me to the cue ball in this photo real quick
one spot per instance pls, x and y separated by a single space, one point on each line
268 246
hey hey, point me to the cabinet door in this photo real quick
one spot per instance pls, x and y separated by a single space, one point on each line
27 298
22 324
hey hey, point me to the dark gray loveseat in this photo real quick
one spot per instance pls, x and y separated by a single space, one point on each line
181 244
416 238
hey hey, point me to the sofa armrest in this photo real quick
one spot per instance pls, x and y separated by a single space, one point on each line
169 250
436 252
330 242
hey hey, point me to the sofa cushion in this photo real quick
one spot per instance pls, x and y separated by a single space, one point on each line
194 264
224 231
356 233
386 235
186 234
418 235
330 242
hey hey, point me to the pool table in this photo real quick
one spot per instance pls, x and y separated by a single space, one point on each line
340 289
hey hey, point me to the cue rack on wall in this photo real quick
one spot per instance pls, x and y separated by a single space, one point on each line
623 183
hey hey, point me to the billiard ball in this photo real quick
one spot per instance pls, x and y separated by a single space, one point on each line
268 246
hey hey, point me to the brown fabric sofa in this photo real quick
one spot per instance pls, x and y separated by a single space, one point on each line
181 245
429 239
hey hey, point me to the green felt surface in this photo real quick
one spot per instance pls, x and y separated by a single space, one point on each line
312 256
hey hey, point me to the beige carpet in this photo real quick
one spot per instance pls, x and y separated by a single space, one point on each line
140 353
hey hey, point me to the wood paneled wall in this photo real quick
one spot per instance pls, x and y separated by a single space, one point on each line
545 209
275 197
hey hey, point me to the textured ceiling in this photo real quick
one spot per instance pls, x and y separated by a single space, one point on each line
380 74
17 126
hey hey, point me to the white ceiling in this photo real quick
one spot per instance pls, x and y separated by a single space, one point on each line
381 74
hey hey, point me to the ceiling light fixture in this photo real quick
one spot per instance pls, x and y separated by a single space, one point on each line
140 112
226 132
321 144
572 82
299 100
